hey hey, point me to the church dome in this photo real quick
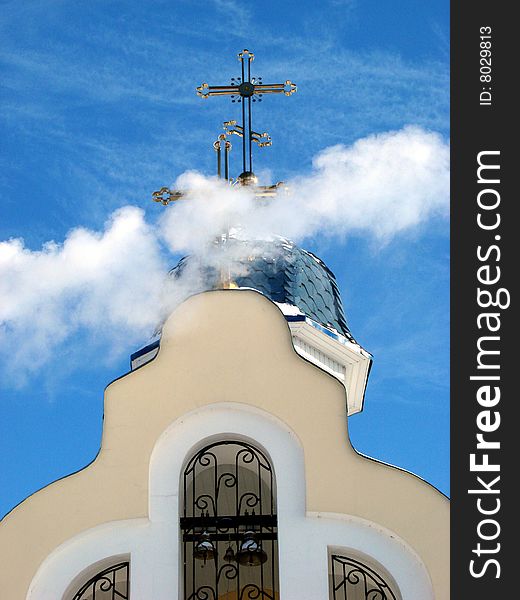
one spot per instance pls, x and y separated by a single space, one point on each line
283 272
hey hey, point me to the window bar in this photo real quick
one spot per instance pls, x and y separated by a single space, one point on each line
226 529
216 512
261 512
353 572
105 581
192 545
237 487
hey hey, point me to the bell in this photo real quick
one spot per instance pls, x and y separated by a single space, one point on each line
204 548
250 552
229 555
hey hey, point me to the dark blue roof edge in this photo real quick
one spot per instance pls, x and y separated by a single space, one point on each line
293 318
145 350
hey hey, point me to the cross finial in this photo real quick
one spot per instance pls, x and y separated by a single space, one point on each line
245 90
218 144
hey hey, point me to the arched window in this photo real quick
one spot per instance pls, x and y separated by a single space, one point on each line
229 528
111 583
351 579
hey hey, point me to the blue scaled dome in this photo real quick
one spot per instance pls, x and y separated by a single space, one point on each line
283 272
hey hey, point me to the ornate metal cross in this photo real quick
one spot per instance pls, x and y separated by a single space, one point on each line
246 90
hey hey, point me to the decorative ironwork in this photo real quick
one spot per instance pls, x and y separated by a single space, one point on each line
110 584
352 580
262 139
246 90
165 195
229 525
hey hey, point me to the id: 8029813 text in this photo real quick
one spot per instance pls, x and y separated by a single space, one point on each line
485 66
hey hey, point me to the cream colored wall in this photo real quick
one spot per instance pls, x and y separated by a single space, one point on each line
225 346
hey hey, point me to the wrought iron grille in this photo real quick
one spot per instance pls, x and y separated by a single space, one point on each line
352 580
229 526
109 584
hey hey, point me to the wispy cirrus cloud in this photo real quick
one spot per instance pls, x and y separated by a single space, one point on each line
111 102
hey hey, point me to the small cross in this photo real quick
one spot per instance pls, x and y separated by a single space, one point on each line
262 139
165 196
245 91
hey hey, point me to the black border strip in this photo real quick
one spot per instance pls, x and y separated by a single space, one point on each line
482 121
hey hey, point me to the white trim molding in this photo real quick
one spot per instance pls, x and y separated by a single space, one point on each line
334 353
153 543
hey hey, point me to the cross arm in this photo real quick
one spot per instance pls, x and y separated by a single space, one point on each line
165 196
262 139
205 90
231 127
286 88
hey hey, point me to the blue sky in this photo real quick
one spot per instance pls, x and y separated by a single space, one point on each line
99 109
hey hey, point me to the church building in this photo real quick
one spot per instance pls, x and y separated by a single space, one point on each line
225 470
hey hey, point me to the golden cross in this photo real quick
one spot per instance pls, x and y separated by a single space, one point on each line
246 91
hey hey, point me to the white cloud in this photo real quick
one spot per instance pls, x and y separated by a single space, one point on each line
379 186
106 282
113 284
